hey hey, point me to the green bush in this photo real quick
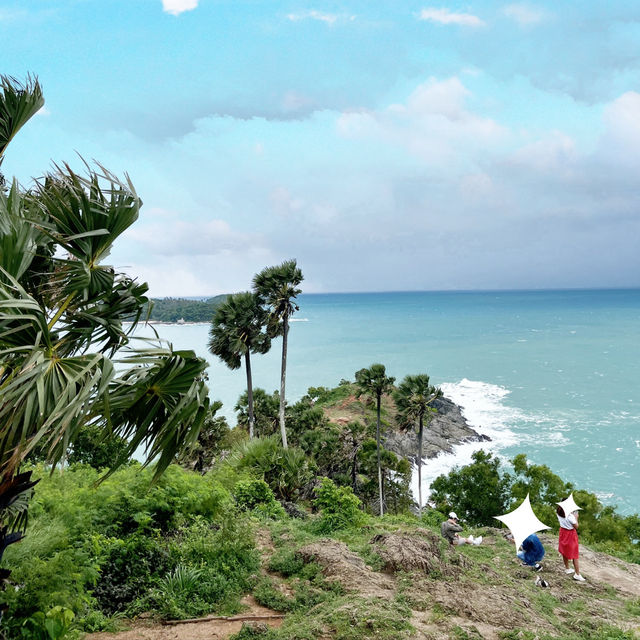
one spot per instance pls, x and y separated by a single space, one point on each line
113 548
128 568
286 471
256 495
53 625
476 492
339 507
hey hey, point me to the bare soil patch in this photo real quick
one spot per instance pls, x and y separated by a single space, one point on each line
347 568
404 552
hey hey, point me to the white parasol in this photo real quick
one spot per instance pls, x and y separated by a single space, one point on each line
522 522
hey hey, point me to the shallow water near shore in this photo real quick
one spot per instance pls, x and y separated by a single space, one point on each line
553 374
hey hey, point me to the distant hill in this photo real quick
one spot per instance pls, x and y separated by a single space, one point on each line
176 309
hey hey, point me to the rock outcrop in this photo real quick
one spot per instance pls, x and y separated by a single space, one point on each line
446 429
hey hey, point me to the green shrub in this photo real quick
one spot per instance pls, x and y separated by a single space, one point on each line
286 471
104 549
53 625
129 567
286 562
339 507
256 495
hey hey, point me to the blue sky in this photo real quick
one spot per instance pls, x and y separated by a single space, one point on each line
386 145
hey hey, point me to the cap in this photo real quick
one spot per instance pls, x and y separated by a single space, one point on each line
453 515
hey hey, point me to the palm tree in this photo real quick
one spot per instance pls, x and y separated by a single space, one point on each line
238 328
414 398
278 287
65 354
374 382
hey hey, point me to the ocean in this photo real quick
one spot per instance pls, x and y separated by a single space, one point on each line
553 374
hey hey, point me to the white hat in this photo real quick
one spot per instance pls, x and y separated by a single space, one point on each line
453 515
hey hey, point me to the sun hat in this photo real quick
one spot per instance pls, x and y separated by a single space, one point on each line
453 515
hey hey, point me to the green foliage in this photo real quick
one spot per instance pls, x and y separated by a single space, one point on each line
214 436
128 567
597 523
97 448
238 329
482 489
286 471
125 546
476 492
265 412
256 495
339 507
53 625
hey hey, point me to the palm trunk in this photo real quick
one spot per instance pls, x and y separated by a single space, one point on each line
379 464
354 463
420 468
247 361
283 375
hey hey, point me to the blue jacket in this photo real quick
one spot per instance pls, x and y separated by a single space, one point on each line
533 549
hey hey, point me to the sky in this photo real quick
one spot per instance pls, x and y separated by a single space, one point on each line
385 145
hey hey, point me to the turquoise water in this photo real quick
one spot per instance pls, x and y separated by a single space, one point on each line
553 374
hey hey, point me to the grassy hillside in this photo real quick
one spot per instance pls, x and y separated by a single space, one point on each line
123 554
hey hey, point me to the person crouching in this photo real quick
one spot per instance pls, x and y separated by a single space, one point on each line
531 552
450 530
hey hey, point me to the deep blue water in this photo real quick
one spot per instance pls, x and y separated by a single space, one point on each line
554 374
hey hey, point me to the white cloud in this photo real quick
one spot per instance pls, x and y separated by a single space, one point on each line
444 16
434 124
166 233
176 7
327 18
524 14
622 117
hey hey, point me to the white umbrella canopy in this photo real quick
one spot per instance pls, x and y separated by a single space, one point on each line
569 505
522 522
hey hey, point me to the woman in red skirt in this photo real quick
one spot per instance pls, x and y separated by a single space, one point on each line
568 542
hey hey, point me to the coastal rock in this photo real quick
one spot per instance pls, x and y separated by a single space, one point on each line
446 429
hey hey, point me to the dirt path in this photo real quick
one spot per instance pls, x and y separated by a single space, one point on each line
209 630
604 569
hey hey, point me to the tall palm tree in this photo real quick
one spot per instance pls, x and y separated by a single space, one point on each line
278 287
238 329
375 382
65 354
414 397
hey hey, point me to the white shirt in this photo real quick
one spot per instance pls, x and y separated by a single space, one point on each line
567 523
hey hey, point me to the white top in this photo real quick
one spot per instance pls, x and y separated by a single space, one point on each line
567 523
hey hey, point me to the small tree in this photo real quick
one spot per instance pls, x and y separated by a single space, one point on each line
238 329
375 382
477 492
414 398
278 288
265 411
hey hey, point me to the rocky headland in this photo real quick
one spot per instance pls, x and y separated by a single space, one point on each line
446 429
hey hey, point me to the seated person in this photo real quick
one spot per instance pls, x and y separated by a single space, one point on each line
531 552
450 529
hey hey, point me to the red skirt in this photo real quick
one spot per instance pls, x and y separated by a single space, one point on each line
568 543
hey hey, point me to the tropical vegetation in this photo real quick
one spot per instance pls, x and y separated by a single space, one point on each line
414 398
238 329
67 360
278 287
375 382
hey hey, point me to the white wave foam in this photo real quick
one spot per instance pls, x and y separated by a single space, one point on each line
298 319
483 407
